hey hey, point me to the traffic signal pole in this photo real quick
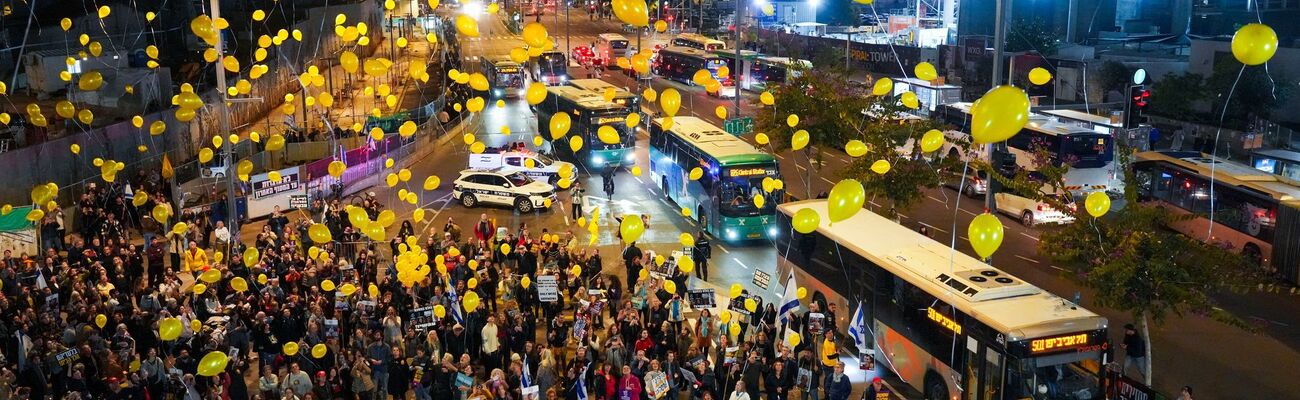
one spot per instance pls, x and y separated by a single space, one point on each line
1003 10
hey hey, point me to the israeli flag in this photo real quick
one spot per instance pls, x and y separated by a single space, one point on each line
580 387
789 300
455 304
526 380
858 330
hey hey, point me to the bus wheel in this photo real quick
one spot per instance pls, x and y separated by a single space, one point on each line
1252 253
969 191
935 388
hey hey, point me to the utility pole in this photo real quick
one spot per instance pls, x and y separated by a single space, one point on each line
735 72
223 118
1003 9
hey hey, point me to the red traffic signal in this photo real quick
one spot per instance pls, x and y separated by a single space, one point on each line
1142 98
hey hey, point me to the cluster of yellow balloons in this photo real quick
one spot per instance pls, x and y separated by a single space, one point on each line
35 117
187 103
705 78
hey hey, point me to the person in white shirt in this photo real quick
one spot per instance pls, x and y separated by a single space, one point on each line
491 346
739 394
222 234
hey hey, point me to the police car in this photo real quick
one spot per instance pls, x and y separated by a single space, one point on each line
533 164
502 187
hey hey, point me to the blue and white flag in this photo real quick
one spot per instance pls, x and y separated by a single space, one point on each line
858 330
455 304
790 300
580 387
526 380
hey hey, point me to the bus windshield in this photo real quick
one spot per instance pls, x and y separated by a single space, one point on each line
1060 376
739 185
1087 151
552 63
624 133
510 79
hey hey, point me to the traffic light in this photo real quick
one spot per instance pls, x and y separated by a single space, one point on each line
1138 100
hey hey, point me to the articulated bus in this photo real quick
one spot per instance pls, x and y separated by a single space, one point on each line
505 76
948 325
589 112
680 64
698 42
1255 213
722 199
621 96
551 68
1091 155
767 71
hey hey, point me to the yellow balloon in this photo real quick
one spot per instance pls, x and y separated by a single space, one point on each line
632 12
631 228
636 170
1039 76
535 34
696 173
882 87
801 292
735 290
210 276
855 148
985 233
479 148
1254 44
478 82
251 257
169 329
608 135
793 339
239 284
686 239
792 120
327 285
670 101
1097 204
910 101
661 26
767 98
466 25
761 138
290 349
799 140
432 182
724 317
932 140
536 93
880 167
336 168
575 143
806 220
751 305
64 109
925 71
85 116
650 94
161 212
199 288
101 320
845 200
721 112
999 115
470 301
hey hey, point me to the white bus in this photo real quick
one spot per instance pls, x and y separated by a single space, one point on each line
698 42
611 46
948 325
1091 155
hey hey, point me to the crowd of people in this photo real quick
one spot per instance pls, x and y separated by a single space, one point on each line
333 321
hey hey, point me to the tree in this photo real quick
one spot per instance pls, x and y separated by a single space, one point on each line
1175 96
1114 76
1256 93
1132 261
1032 35
834 112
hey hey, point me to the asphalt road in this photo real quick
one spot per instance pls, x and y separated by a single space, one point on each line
1187 350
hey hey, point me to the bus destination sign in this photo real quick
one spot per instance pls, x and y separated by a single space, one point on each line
1058 343
737 172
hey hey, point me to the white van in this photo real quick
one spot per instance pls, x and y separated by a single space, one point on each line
535 165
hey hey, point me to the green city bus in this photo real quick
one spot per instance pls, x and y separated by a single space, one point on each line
733 170
588 112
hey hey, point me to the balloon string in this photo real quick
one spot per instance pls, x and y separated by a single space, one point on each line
952 244
1214 161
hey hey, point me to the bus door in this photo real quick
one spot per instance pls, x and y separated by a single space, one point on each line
981 371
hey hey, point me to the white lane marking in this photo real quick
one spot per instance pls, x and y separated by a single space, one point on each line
778 156
968 212
661 200
724 249
1057 268
1027 259
904 216
638 180
934 227
1029 236
800 167
827 180
566 213
739 262
934 198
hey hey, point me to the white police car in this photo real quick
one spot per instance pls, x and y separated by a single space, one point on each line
502 187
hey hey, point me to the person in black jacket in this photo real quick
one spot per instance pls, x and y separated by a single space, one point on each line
703 250
778 381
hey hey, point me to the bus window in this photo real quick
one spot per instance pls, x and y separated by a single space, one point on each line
1057 376
739 185
1086 151
618 44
